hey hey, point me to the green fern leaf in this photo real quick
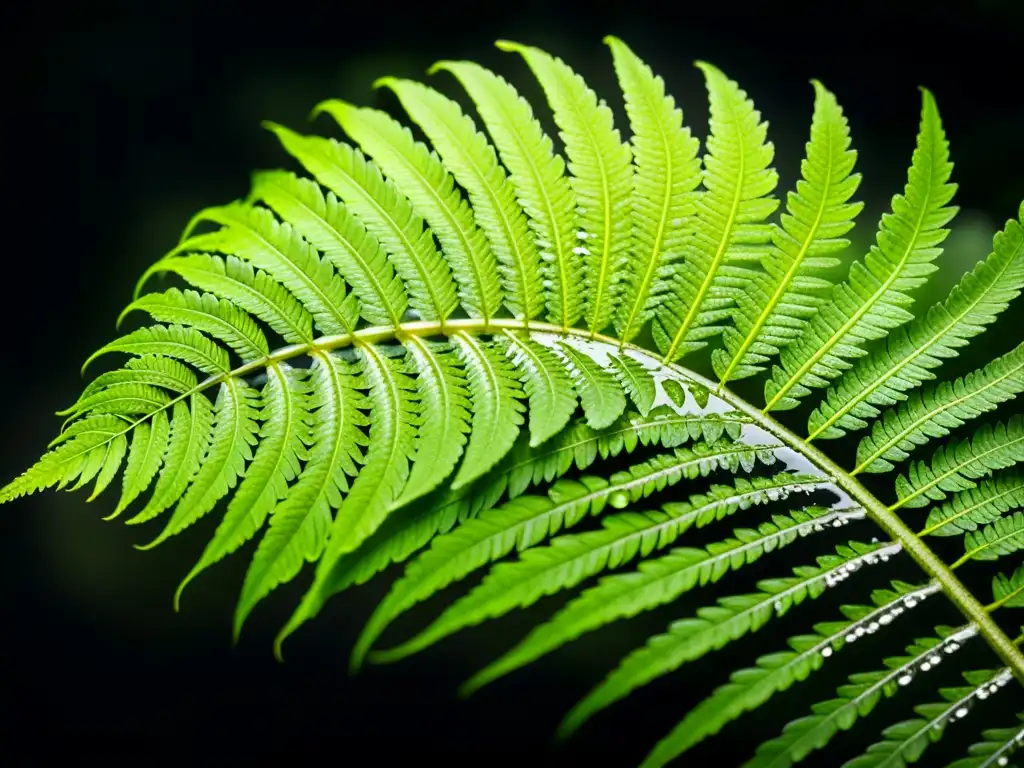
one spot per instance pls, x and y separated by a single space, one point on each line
1003 537
730 221
714 627
657 581
910 353
996 749
526 521
177 341
537 175
997 495
411 528
254 235
1009 590
567 560
230 446
601 178
283 437
472 161
773 307
905 742
874 299
749 688
341 238
547 385
956 467
385 212
665 180
430 187
860 696
149 442
938 409
190 437
300 524
253 290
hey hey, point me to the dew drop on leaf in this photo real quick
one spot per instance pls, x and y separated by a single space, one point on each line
619 499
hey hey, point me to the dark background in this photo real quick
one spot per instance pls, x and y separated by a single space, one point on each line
139 114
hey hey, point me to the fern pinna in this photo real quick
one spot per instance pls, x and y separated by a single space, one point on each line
425 352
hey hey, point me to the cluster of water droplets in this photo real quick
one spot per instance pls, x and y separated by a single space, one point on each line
963 707
842 572
1010 747
581 250
881 617
931 659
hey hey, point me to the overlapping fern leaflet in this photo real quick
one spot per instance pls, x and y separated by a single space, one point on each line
874 299
404 359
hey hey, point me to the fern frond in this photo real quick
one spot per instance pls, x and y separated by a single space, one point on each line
938 409
1008 591
730 221
749 688
856 699
911 353
665 181
956 467
997 748
538 177
421 175
716 626
601 178
579 446
479 353
874 299
905 742
986 503
526 521
385 212
773 307
472 161
656 581
568 560
1003 537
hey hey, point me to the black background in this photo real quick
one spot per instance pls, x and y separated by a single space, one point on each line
139 114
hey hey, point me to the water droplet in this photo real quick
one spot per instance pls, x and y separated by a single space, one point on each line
910 602
1003 761
905 679
982 694
872 627
619 499
778 605
851 637
826 652
935 660
677 222
886 619
582 235
925 667
962 712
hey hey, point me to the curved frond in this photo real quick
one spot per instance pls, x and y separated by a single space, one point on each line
453 350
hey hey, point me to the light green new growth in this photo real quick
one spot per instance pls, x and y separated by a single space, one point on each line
434 354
